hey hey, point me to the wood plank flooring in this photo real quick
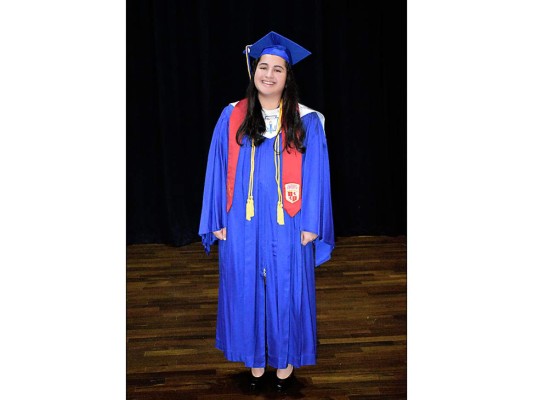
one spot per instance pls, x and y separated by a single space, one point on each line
361 321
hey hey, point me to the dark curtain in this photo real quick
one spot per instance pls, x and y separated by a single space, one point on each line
185 64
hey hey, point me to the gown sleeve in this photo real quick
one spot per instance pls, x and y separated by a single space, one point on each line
317 214
213 217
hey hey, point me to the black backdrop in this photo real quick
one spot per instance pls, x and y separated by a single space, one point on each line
185 64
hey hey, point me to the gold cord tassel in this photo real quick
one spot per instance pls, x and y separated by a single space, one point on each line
249 208
281 217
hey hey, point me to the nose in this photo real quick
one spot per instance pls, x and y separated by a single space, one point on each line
269 72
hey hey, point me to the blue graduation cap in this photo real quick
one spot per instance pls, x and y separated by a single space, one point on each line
275 44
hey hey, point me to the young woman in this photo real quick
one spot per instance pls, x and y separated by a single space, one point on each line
267 201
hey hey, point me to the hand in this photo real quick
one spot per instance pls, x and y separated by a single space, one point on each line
307 237
221 234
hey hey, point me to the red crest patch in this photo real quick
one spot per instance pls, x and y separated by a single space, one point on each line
292 192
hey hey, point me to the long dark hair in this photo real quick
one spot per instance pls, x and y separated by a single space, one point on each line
253 125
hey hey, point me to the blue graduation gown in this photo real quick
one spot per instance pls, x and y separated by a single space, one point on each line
266 304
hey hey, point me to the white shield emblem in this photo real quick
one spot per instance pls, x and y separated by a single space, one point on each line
292 192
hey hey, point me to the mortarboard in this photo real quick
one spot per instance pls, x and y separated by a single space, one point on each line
274 43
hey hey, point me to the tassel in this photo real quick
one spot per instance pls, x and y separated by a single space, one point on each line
249 208
281 218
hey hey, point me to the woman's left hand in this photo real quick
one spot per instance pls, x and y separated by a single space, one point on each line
307 237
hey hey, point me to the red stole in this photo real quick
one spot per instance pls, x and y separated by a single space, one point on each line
291 186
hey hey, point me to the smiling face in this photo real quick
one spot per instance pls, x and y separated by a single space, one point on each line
269 79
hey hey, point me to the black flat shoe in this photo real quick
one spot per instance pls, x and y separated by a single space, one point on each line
283 384
255 382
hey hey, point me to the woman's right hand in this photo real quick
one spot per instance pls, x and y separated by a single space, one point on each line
221 234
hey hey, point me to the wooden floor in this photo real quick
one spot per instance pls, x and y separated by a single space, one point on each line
361 316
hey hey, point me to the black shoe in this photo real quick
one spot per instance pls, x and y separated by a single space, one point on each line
256 381
283 384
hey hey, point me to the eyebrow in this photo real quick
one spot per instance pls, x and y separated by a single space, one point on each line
264 63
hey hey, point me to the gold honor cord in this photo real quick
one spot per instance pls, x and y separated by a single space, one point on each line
277 162
250 200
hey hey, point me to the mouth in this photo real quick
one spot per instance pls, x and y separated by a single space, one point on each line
268 83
